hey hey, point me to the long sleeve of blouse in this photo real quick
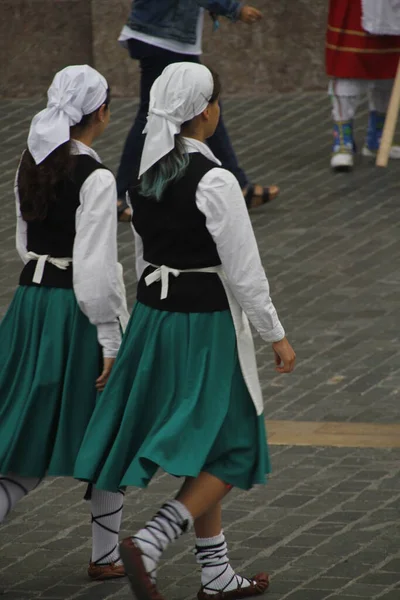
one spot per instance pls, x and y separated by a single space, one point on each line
220 199
21 239
95 259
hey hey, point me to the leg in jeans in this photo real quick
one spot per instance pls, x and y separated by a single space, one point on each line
220 143
221 146
150 68
152 64
153 61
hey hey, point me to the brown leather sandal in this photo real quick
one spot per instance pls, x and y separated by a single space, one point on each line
104 572
141 584
259 585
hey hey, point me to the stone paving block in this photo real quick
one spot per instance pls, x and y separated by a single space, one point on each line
393 595
305 594
327 583
365 590
381 579
343 597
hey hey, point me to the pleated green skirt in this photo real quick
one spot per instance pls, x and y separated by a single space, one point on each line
176 400
49 361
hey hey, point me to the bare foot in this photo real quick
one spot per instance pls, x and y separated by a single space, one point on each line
126 215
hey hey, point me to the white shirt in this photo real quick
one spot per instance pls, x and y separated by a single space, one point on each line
381 17
173 46
220 199
95 256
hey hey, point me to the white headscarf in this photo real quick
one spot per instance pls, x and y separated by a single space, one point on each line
75 91
182 92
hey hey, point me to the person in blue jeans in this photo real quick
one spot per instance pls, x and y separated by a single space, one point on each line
162 32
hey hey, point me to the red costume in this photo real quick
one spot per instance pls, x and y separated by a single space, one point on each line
354 53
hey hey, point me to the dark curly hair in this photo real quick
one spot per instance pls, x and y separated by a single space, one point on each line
37 183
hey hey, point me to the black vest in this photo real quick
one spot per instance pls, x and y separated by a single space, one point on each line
55 235
174 233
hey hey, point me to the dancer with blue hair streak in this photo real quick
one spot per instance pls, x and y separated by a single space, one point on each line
184 395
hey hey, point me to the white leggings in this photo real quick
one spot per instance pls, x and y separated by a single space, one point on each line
346 95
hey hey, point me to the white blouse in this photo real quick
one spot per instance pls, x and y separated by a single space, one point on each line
220 199
96 272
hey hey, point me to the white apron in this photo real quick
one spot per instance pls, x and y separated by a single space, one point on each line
244 338
63 263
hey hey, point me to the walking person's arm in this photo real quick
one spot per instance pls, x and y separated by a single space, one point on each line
95 264
232 9
220 199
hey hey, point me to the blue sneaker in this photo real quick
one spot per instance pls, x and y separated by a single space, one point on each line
376 122
343 146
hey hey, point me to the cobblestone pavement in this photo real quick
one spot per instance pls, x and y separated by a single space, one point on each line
327 524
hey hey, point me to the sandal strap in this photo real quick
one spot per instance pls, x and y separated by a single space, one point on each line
266 195
248 197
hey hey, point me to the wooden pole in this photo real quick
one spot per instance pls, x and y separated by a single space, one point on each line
389 129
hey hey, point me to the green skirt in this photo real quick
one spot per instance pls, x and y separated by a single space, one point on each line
50 359
176 399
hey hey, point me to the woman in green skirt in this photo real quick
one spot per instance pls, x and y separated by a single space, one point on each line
184 394
61 333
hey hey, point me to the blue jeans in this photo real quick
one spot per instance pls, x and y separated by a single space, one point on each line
152 63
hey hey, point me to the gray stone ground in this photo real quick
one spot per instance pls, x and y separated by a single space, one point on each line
327 525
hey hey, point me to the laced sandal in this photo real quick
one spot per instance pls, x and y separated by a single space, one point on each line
268 194
139 579
258 585
98 572
101 570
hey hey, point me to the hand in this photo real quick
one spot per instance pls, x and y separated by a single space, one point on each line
284 356
102 380
250 15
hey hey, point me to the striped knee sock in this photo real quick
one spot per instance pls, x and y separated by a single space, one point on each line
172 520
217 574
106 510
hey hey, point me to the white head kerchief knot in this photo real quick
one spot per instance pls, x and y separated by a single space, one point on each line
75 91
182 92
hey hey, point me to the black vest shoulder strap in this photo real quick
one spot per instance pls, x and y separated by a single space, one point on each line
85 165
198 166
200 163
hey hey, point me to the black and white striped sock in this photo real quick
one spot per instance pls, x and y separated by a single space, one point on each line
217 574
12 489
172 520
